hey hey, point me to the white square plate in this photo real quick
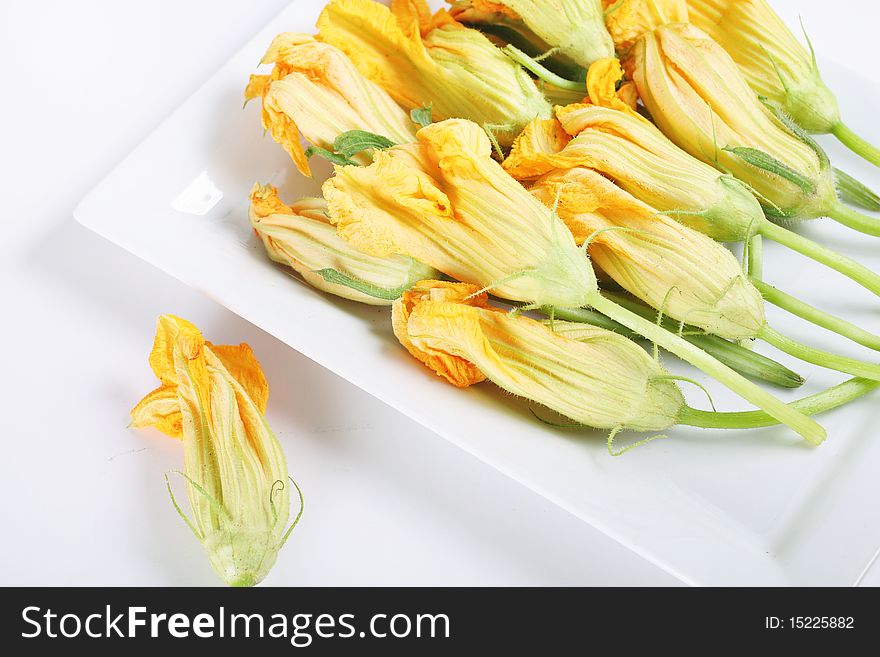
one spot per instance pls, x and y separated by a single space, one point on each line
718 508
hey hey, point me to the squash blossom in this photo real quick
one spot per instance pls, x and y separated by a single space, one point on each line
450 205
575 28
447 203
422 60
315 91
600 379
776 65
623 146
503 26
686 274
213 399
302 237
713 114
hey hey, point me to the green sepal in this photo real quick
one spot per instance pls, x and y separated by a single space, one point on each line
334 158
765 161
789 124
338 278
854 192
350 143
423 116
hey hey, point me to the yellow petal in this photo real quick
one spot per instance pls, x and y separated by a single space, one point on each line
532 152
243 366
172 331
628 20
602 79
457 371
159 409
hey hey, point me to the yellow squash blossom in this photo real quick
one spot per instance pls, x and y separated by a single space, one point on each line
601 379
687 275
771 58
628 20
302 237
315 91
447 203
632 152
452 206
640 159
776 65
213 399
505 27
699 99
575 27
434 61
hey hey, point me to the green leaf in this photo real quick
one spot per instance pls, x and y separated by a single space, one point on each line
350 143
335 158
423 116
761 160
855 193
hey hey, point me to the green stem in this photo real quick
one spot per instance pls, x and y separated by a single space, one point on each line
818 317
822 402
736 357
836 261
856 144
818 357
809 429
854 219
542 72
755 264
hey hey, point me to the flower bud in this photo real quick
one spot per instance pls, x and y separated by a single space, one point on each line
213 398
575 27
504 26
452 206
699 99
683 273
641 160
773 61
301 237
315 91
600 379
422 60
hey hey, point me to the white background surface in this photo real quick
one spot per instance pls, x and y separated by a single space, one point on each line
82 497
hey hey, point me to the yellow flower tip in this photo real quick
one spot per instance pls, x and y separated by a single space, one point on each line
602 86
257 87
159 409
455 370
266 202
540 138
628 20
